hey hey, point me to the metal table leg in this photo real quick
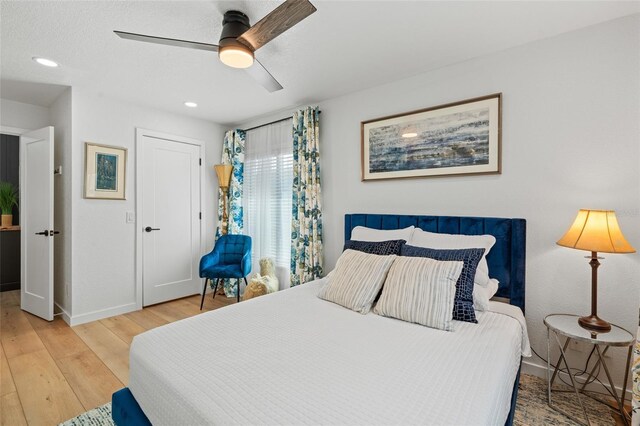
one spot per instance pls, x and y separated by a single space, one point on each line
548 367
611 385
557 368
593 370
563 358
625 416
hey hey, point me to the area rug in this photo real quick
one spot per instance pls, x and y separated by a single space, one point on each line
100 416
532 408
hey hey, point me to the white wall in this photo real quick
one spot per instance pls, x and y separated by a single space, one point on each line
23 116
570 140
60 117
103 243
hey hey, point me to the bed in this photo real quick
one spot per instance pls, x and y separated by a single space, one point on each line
292 358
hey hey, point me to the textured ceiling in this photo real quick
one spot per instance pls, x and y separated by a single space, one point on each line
345 46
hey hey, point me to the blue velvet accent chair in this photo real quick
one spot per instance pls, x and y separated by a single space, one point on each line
230 258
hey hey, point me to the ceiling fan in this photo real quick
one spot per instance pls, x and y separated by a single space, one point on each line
239 40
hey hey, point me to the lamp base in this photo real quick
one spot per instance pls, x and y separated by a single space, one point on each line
593 322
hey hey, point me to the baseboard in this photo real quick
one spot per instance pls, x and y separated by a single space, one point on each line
66 317
529 367
101 314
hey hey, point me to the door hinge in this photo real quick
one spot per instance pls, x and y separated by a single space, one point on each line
200 215
200 161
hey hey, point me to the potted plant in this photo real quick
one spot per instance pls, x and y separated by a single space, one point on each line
8 199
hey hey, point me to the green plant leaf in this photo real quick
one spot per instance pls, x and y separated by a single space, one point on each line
8 197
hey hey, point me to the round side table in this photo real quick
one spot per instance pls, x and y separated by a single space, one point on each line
567 326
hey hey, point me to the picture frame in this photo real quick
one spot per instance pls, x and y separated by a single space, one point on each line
105 172
454 139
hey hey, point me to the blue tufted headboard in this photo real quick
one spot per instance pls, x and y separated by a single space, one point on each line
506 259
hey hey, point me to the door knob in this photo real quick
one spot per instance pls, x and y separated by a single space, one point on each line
149 229
45 233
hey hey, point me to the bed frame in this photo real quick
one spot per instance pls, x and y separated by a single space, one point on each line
506 262
506 259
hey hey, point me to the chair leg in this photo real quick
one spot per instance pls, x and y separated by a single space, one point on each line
215 290
245 285
204 291
238 283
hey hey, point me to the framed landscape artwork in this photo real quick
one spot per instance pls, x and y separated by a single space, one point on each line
105 172
459 138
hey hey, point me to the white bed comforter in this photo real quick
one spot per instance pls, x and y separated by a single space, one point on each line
290 358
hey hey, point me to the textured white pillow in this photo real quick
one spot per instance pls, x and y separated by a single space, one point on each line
482 295
361 233
420 290
434 240
356 280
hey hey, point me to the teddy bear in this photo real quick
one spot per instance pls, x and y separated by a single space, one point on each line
263 283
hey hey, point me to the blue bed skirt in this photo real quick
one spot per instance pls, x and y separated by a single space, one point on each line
126 411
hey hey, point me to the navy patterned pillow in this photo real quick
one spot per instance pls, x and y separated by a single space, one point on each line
382 248
463 304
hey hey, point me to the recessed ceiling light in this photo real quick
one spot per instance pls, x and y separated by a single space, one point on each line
191 104
46 62
409 135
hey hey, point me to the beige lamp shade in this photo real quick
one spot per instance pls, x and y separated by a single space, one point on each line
224 174
596 231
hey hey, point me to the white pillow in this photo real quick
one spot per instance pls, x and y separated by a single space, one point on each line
434 240
420 290
362 233
356 280
482 295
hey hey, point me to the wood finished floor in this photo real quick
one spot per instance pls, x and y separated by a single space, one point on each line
50 372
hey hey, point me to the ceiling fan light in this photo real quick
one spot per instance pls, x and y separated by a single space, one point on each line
236 56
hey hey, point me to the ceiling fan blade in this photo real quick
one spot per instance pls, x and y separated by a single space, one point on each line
260 74
275 23
167 41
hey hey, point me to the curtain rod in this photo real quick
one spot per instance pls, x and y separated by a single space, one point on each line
272 122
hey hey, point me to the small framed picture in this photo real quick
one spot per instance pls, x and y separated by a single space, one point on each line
105 172
460 138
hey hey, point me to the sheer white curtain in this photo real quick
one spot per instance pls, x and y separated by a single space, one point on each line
268 191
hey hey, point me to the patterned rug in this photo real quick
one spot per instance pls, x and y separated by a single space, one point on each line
100 416
532 408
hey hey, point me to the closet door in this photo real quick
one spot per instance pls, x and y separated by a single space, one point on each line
170 219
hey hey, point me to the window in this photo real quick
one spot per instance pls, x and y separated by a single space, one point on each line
268 182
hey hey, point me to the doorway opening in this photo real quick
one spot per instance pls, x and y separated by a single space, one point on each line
10 225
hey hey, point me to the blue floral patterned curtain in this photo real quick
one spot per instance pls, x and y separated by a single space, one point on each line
306 224
232 153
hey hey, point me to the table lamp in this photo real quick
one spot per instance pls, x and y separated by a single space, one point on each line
223 171
595 231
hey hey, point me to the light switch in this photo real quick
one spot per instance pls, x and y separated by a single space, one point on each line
131 217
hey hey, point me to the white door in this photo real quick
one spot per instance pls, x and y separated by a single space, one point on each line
170 218
36 222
